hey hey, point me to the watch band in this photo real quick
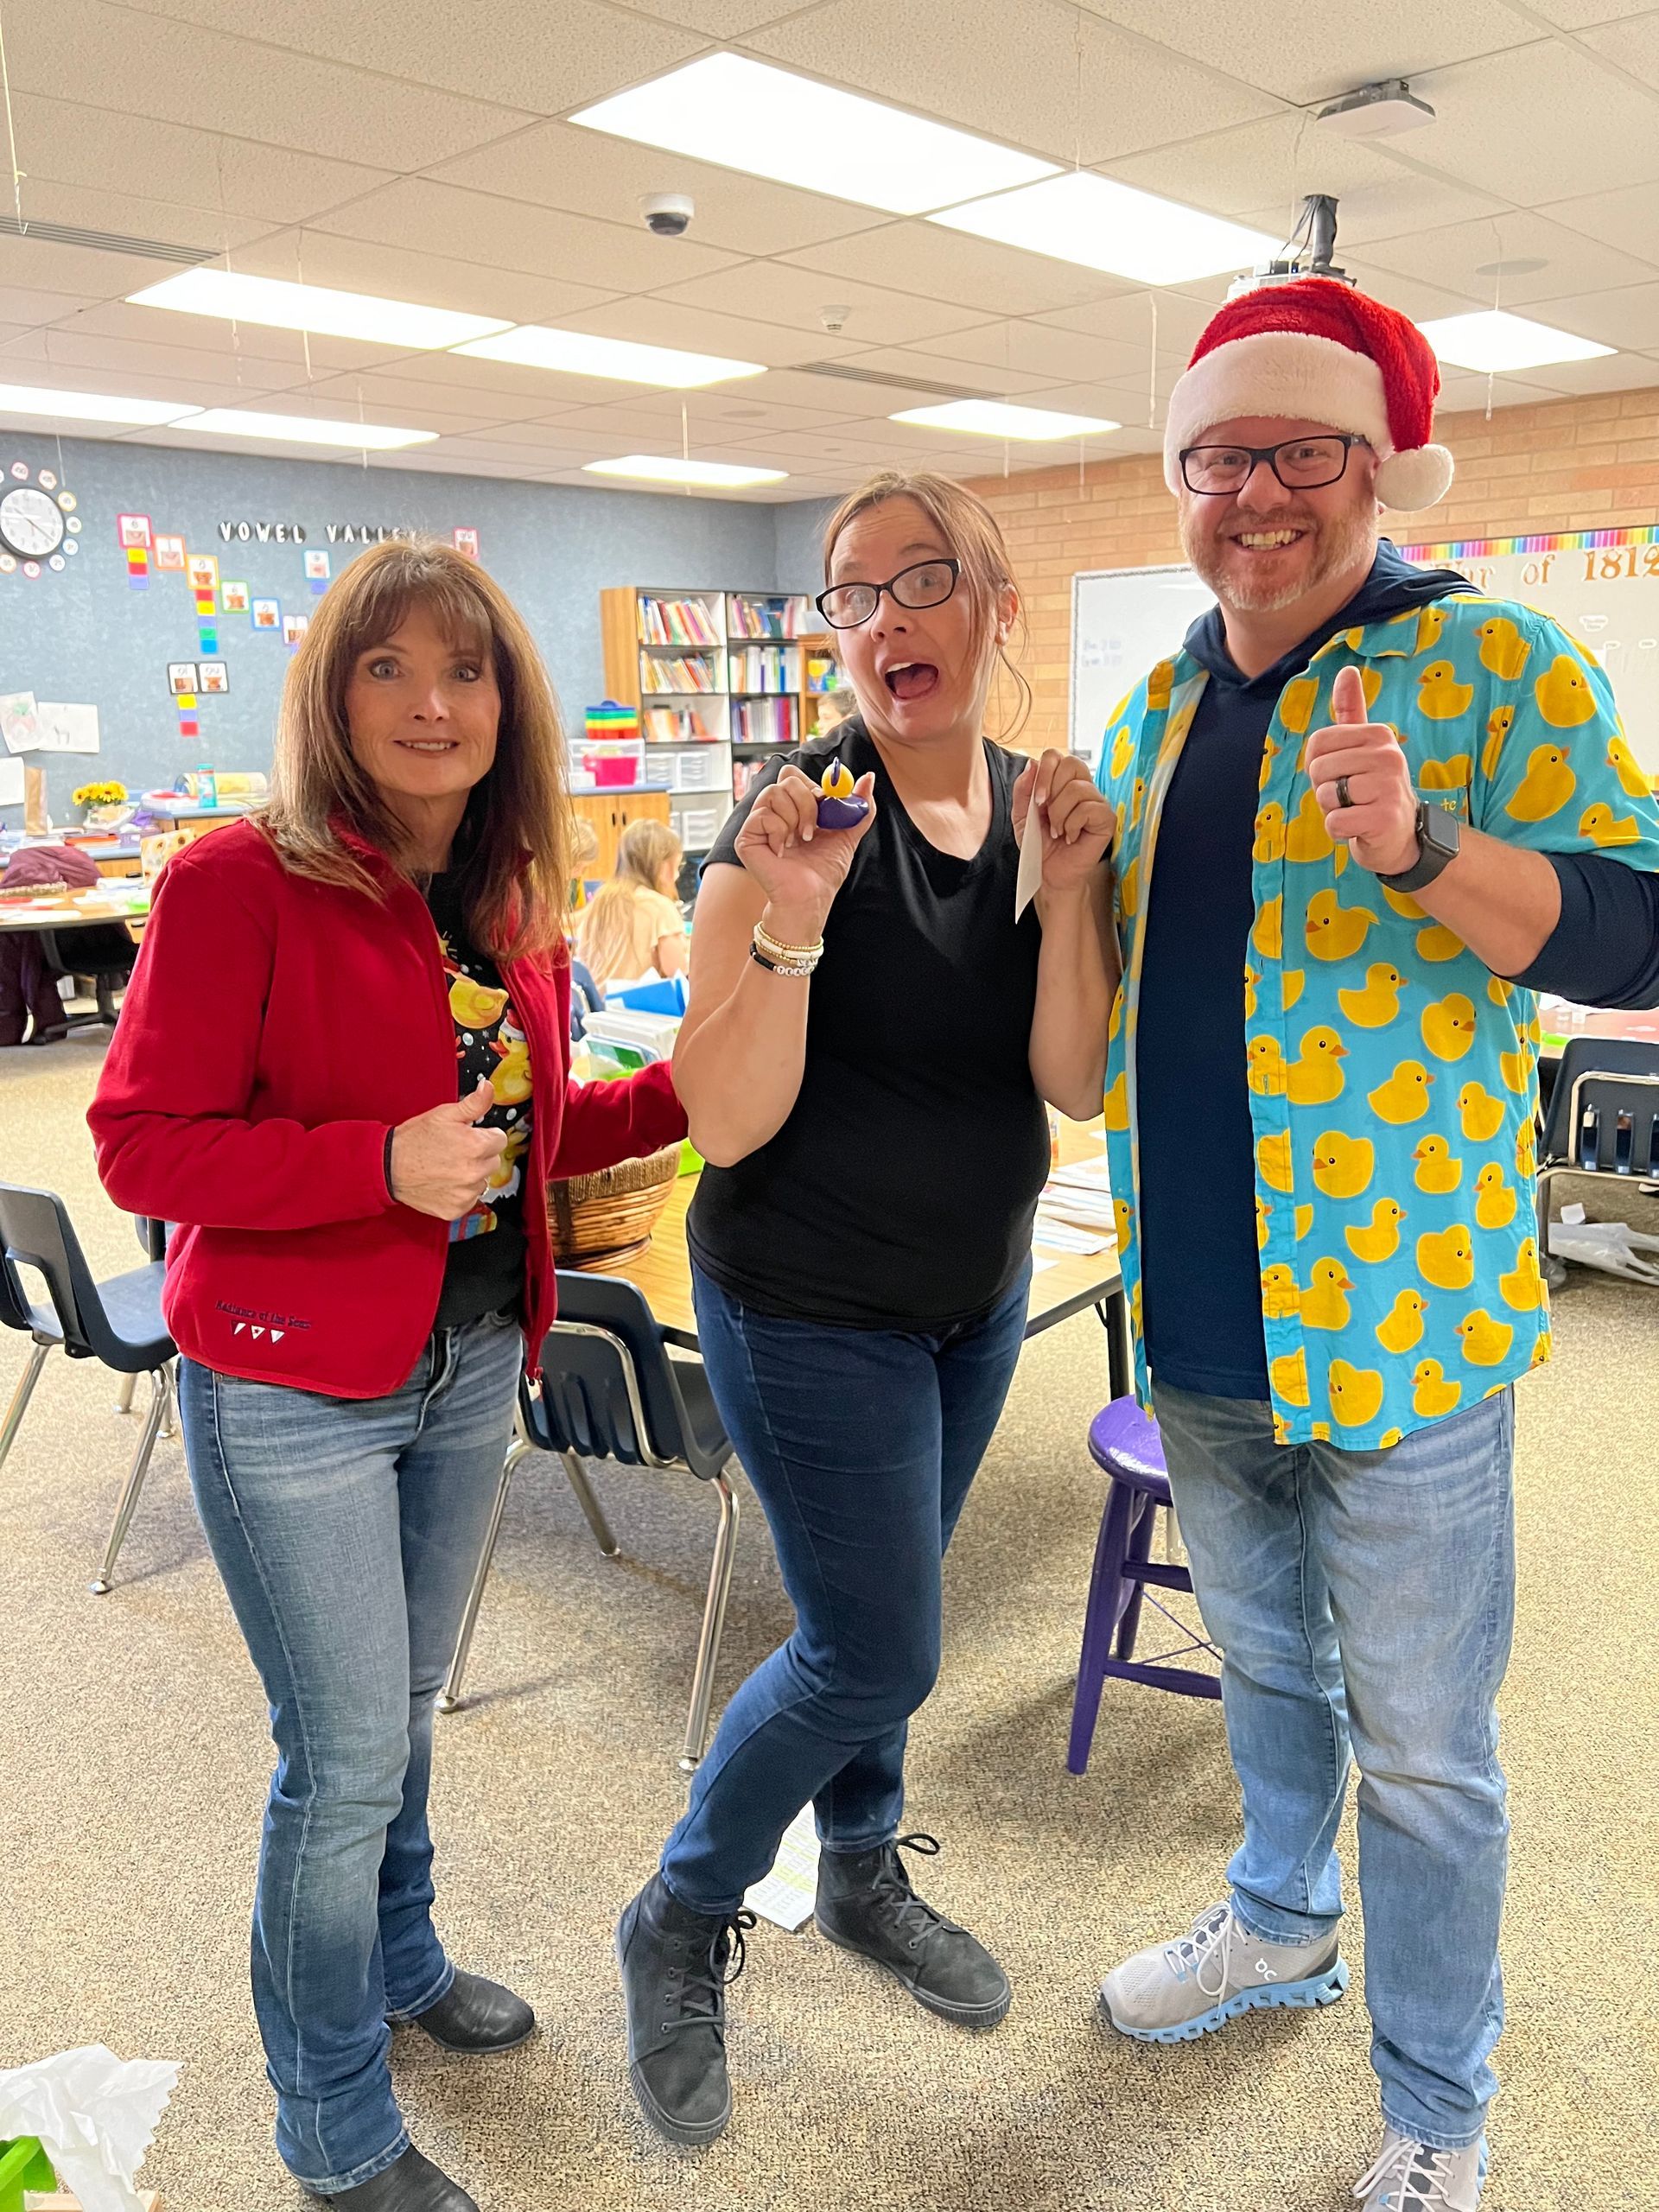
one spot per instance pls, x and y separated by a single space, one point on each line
1438 835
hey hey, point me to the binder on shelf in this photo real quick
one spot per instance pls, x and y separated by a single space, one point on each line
766 722
764 669
764 614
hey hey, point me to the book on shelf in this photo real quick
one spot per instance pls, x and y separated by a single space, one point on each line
680 672
675 622
766 614
766 722
677 726
764 668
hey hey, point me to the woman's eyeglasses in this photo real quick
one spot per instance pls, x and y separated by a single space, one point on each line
1300 464
927 583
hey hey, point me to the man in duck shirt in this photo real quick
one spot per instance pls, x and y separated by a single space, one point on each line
1363 814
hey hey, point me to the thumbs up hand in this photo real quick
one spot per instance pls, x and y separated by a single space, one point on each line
1359 770
441 1163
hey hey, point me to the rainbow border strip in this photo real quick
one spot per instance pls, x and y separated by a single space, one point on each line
1553 541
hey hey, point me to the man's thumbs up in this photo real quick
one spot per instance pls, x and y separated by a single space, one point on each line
1359 770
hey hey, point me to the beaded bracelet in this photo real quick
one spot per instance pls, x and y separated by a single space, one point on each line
800 967
779 950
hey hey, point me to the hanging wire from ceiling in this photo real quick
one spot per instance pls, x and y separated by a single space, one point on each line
225 249
11 126
1151 373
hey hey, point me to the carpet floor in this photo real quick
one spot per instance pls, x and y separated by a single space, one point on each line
134 1759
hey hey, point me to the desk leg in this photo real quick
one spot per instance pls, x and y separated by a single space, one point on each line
1114 1312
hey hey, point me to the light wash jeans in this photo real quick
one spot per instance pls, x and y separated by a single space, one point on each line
1366 1597
347 1531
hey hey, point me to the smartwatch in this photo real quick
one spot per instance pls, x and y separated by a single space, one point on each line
1439 834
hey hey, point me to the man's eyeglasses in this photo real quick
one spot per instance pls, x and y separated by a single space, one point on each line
927 583
1300 464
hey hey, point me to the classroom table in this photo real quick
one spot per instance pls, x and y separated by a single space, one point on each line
1065 1283
80 910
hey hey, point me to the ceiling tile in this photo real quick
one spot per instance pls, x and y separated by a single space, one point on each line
40 264
510 234
775 292
1275 158
224 343
27 303
1574 15
127 215
1034 350
1304 55
64 142
1463 393
409 273
546 59
1632 45
130 63
558 165
1629 220
941 264
1573 262
1069 87
719 18
987 379
81 345
1538 124
1608 372
668 319
1410 293
1177 317
1628 318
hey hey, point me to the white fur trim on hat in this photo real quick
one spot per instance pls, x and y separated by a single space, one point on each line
1300 378
1420 478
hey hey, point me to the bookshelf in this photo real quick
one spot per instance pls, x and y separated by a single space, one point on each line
722 679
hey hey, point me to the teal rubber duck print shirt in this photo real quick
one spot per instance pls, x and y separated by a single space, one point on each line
1393 1079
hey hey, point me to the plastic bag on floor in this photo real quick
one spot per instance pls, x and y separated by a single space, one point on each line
1612 1246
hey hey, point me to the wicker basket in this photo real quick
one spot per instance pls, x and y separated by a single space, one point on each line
596 1220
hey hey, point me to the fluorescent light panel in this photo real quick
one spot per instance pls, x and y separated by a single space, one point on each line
746 114
659 468
994 418
282 306
1494 339
90 406
1100 224
305 430
574 353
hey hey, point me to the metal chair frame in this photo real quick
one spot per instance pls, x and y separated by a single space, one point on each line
81 1328
1604 1165
719 1571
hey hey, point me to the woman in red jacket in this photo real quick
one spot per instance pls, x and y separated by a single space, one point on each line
341 1067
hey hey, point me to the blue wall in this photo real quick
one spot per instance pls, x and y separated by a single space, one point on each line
84 635
799 527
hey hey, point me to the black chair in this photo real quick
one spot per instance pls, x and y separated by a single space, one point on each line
118 1322
1602 1118
610 1391
103 952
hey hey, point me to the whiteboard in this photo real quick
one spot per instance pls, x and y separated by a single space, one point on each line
1124 621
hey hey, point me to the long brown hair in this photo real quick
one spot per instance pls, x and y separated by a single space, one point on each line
513 845
974 535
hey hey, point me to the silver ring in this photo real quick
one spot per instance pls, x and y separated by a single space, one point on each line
1344 799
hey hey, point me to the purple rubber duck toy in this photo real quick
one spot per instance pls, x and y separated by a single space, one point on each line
838 809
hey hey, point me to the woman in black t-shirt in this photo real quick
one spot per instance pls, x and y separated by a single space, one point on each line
871 1035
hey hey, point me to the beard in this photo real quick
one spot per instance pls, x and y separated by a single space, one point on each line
1340 542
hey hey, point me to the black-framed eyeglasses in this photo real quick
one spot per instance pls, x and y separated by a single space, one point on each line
925 583
1300 464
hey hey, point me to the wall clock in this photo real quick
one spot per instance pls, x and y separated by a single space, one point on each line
31 522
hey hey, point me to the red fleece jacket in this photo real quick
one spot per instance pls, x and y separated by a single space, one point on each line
274 1030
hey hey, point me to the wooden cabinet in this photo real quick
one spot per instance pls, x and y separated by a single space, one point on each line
610 813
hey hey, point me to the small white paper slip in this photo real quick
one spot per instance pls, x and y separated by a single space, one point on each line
1029 880
786 1896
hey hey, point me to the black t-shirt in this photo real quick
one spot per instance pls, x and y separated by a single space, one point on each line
485 1271
900 1193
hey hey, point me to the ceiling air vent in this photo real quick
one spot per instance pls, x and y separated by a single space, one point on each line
849 372
191 257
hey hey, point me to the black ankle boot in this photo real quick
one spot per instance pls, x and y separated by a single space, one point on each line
675 1966
865 1904
410 2183
475 2015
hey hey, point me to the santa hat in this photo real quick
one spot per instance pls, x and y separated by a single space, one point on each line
1316 351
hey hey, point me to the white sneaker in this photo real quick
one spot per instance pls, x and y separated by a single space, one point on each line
1409 2176
1174 1992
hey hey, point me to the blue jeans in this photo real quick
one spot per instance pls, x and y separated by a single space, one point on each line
347 1531
860 1444
1366 1597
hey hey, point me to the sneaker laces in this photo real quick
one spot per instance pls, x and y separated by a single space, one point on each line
1419 2175
714 1973
1211 1935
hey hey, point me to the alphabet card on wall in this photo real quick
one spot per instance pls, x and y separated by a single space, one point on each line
233 597
215 677
295 627
170 551
133 532
203 570
316 570
268 614
465 541
182 678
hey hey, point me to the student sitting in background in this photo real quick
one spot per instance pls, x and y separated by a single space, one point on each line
634 926
28 982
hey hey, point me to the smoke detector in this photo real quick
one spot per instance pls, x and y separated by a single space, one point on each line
1379 111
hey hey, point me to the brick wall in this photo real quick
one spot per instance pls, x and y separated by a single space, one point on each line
1577 464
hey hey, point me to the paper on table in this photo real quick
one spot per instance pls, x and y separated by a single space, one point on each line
785 1896
1028 881
62 729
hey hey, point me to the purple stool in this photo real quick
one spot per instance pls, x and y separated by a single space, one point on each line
1126 1445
